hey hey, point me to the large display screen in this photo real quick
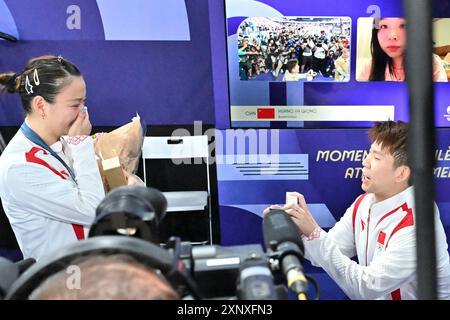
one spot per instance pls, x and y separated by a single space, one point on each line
326 64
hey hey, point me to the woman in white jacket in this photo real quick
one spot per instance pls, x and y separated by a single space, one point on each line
50 184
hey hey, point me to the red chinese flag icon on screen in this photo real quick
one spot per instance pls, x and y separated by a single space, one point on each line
266 113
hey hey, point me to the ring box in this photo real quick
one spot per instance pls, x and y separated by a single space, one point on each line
291 199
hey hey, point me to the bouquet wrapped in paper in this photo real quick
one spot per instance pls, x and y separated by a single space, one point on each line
119 152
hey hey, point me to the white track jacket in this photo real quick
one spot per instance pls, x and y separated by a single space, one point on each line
382 236
47 209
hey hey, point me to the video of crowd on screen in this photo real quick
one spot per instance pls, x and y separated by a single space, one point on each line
295 49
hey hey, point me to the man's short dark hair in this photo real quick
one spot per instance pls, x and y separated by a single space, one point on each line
114 277
391 135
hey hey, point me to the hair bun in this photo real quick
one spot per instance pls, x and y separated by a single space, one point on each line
9 82
13 81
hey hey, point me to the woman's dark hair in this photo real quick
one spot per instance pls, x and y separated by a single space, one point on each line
43 76
291 65
379 58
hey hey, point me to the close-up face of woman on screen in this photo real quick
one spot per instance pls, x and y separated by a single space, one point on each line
388 48
392 37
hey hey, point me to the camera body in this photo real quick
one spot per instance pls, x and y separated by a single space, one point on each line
240 272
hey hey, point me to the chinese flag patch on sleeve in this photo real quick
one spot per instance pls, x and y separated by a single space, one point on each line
381 238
